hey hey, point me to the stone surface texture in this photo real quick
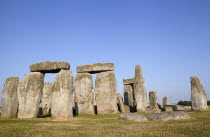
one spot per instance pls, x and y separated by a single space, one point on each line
128 81
120 102
105 93
133 117
128 95
46 98
139 90
168 109
83 93
10 98
95 68
62 95
175 107
198 95
165 101
30 94
168 116
153 100
49 67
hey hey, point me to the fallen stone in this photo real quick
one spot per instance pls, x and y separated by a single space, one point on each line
175 107
151 111
49 67
133 117
95 68
198 95
168 116
10 98
46 98
62 106
128 81
105 93
168 109
83 93
139 90
30 94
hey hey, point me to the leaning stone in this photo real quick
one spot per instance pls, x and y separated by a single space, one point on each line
168 109
165 101
62 95
133 117
105 93
198 95
10 98
49 67
30 94
95 68
139 91
120 102
83 93
46 98
168 116
128 81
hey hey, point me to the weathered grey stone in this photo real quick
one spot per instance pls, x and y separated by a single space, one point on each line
139 91
168 116
120 102
30 94
127 109
62 95
49 67
151 111
153 100
128 81
165 101
10 98
95 68
168 109
133 117
175 107
83 93
105 93
46 98
128 95
198 95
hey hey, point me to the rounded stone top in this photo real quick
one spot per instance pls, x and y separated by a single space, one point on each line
49 66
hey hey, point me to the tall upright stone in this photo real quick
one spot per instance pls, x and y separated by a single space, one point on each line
105 93
62 95
128 95
139 91
30 94
153 100
165 101
46 98
10 98
83 93
198 95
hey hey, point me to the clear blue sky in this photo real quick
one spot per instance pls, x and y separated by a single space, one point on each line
170 39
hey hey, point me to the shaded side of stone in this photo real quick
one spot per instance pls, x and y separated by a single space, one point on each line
105 93
62 95
10 98
128 95
120 103
83 93
30 94
198 95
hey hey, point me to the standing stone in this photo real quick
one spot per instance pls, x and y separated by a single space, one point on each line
139 91
30 94
105 93
46 98
62 95
120 102
128 95
83 93
198 95
153 99
10 98
165 101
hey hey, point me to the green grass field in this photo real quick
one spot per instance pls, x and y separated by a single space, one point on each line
107 126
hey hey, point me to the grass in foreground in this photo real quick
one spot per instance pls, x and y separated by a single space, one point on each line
106 125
